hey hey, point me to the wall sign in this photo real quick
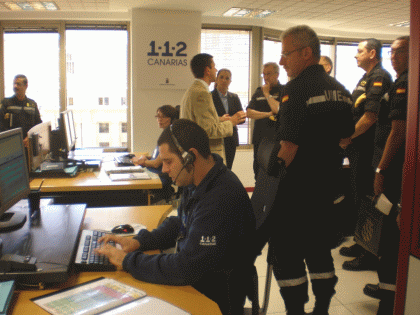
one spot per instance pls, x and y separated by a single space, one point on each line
166 54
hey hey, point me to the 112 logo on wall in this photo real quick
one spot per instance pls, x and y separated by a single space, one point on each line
167 55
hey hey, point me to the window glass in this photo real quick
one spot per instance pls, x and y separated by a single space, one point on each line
348 73
272 53
230 49
35 55
97 82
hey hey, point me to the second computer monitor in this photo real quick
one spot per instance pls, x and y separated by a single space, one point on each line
67 125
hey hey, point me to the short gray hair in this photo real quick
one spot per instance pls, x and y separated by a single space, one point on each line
304 36
274 65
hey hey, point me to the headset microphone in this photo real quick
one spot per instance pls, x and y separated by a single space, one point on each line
187 157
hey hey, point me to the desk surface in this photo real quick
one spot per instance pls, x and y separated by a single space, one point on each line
185 297
93 181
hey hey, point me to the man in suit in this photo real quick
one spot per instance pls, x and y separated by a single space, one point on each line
227 104
197 104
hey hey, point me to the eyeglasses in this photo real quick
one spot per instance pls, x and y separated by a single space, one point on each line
287 54
396 51
160 117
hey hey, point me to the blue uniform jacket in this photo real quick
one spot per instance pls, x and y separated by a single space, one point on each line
216 222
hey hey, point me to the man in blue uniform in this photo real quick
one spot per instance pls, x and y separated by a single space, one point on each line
213 229
389 161
314 114
368 99
19 111
263 105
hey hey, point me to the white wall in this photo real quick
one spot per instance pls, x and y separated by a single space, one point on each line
144 102
242 167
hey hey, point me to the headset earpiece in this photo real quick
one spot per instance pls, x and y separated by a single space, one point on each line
189 158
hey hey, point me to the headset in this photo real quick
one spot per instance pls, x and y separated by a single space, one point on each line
188 158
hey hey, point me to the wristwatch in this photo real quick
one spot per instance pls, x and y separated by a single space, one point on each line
379 171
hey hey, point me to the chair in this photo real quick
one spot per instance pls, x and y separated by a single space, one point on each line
268 179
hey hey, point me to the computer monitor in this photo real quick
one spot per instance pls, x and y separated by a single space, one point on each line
14 178
39 145
66 123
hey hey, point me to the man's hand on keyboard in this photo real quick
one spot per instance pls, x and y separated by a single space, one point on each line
127 244
115 256
139 160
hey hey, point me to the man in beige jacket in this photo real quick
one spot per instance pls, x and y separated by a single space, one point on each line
197 105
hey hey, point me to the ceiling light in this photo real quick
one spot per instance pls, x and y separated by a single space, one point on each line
25 6
231 11
249 13
401 24
12 6
264 14
242 12
49 5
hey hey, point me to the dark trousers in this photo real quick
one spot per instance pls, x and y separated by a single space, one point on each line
230 151
361 178
255 164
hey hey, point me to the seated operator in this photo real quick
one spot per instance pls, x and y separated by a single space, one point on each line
213 229
165 116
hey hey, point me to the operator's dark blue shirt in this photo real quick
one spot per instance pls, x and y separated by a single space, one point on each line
216 224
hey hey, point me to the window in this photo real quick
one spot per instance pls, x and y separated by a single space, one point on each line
124 127
103 127
99 61
104 144
347 71
271 53
230 49
36 55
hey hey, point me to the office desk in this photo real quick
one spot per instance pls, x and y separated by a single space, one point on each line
185 297
88 182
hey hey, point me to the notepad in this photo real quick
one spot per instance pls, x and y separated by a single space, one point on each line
6 292
128 176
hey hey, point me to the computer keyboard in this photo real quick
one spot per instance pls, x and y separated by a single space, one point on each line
124 160
86 259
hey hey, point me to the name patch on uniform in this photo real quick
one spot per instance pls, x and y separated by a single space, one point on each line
401 91
285 98
377 83
330 95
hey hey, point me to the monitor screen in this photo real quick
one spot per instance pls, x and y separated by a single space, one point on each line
40 146
14 179
67 124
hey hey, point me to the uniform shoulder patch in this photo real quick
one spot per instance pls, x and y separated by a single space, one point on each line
401 91
285 98
377 83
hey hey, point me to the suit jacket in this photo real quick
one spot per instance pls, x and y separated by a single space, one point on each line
234 104
197 105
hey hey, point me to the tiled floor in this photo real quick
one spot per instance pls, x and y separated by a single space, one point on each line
349 299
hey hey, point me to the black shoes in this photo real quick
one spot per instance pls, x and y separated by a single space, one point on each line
373 291
363 262
352 251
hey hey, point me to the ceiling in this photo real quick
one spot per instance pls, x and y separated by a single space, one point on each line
338 18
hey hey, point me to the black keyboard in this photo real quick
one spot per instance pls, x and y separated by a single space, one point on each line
124 160
86 259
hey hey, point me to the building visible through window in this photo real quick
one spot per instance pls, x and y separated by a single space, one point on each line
103 127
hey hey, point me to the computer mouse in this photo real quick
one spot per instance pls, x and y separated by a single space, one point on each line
123 229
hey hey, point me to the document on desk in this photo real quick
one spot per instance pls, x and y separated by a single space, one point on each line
104 296
91 297
128 176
